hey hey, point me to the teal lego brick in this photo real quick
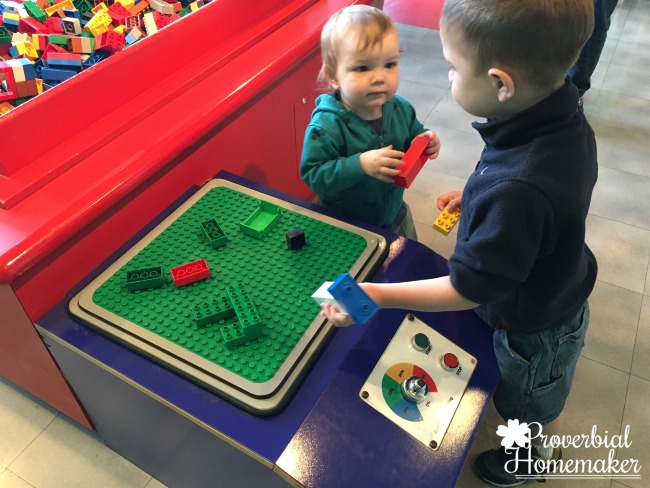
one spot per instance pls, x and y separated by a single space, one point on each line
215 235
140 279
233 335
212 311
261 221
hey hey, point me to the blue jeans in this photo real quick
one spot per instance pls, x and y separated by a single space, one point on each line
537 369
586 64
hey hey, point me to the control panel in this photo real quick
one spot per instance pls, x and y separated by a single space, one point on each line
419 381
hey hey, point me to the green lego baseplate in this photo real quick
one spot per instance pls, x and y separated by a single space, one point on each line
276 281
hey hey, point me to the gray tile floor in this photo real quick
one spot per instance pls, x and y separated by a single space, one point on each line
41 448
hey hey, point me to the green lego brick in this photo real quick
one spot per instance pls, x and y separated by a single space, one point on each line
244 308
280 279
140 279
213 232
261 221
58 39
213 311
83 6
35 11
233 335
5 35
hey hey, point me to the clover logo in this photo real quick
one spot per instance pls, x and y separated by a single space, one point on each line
514 433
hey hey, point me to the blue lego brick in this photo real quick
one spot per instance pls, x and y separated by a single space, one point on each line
212 311
57 74
38 68
28 69
140 279
357 303
247 315
213 232
72 13
96 57
67 64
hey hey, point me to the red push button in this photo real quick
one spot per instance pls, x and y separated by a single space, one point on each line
450 361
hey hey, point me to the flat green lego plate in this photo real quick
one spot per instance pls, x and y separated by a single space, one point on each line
159 322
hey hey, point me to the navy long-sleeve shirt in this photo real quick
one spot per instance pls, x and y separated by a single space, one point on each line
521 250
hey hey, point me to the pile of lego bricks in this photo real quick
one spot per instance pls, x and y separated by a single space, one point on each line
43 44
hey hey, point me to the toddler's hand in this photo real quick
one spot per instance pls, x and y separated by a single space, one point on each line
337 318
433 148
450 201
381 163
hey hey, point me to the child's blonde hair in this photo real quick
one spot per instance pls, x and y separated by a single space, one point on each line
369 24
541 39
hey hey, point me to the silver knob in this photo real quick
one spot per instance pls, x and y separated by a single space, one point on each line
414 389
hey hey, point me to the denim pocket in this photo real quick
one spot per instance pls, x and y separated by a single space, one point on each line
569 345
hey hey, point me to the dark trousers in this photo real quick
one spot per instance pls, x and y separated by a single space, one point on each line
586 64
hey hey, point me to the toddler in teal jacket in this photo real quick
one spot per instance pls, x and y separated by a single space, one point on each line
358 133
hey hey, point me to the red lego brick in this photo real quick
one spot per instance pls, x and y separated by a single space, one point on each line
27 25
190 272
413 162
118 13
52 48
110 41
54 25
7 74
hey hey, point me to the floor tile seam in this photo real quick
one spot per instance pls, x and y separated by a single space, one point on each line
647 380
636 334
623 95
636 67
30 443
623 289
605 165
429 167
19 477
583 355
591 212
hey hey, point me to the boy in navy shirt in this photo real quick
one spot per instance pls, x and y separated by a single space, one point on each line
521 260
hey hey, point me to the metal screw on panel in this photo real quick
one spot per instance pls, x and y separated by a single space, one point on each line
364 394
433 444
410 317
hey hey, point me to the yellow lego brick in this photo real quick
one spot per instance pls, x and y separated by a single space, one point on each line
99 23
65 4
99 8
5 107
127 4
446 221
17 37
149 23
120 29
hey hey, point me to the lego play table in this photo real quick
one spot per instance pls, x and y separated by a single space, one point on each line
165 321
325 435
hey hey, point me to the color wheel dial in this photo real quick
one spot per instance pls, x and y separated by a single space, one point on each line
391 390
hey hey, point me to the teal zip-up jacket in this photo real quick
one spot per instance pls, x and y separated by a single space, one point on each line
330 163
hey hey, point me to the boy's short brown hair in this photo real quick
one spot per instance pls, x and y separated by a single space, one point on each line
370 24
541 39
